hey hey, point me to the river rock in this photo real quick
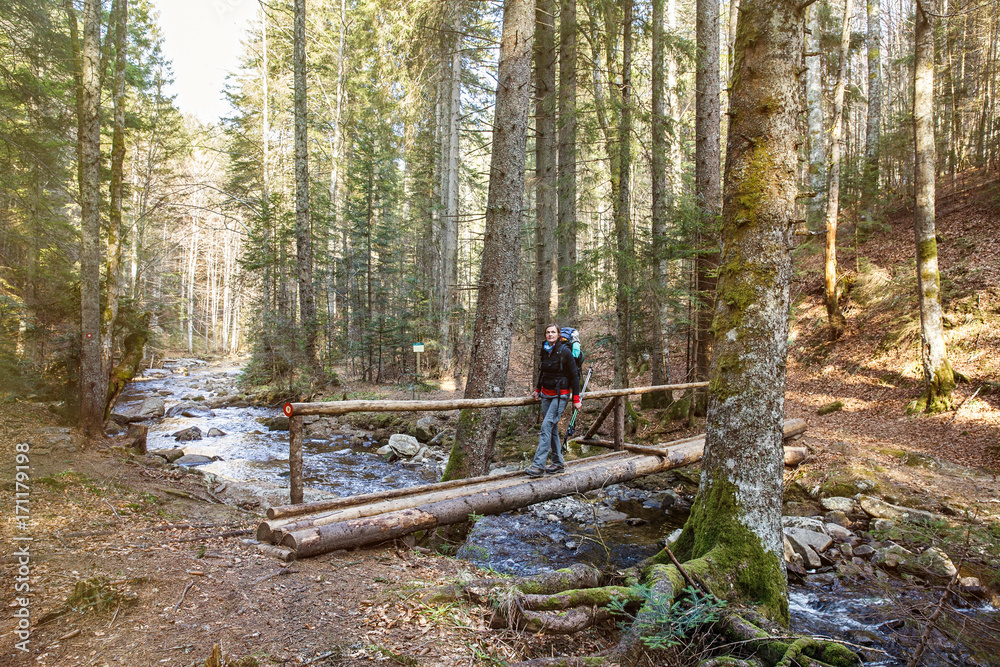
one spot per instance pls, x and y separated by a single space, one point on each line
439 438
880 509
806 541
937 562
838 518
838 533
215 433
863 551
170 455
893 556
426 429
802 523
188 434
838 504
274 423
190 409
405 446
194 460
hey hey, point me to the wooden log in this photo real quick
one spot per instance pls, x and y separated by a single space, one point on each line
299 509
275 530
594 442
344 407
605 411
295 458
367 530
374 529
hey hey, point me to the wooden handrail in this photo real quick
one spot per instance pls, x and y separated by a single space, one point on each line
344 407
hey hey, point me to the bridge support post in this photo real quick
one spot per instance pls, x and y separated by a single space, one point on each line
295 457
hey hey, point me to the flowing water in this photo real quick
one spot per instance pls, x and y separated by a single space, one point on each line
618 526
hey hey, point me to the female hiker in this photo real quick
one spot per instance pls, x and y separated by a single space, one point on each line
558 379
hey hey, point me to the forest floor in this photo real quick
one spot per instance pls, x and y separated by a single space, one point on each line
146 595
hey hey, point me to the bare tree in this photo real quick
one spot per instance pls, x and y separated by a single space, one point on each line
873 127
476 432
939 378
834 315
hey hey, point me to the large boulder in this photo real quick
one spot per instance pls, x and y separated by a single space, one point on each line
275 423
802 543
817 541
880 509
170 455
194 460
404 446
188 434
838 504
427 428
937 562
190 409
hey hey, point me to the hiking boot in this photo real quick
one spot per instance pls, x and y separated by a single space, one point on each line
534 471
555 469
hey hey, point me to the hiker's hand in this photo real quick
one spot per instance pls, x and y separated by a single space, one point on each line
577 403
534 394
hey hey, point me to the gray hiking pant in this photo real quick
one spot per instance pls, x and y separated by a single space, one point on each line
548 437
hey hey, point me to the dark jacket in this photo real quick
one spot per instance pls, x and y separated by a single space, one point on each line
557 369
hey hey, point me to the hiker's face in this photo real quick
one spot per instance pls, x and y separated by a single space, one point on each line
551 334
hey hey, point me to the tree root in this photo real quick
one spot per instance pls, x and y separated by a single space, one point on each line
577 576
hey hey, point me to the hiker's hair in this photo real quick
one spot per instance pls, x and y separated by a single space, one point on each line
552 326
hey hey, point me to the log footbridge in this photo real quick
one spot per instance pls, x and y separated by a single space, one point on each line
308 529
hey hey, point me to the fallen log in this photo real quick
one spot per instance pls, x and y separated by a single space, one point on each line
368 530
275 530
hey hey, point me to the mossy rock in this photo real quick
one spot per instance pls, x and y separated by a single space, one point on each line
846 484
796 493
830 408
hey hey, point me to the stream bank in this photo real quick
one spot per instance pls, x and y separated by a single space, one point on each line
873 605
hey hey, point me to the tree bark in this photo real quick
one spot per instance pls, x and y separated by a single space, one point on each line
119 13
303 226
623 225
707 177
660 370
816 176
735 524
494 328
833 313
546 158
939 378
873 127
93 381
567 278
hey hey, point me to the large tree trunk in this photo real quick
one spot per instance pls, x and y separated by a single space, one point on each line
476 433
814 119
873 128
452 115
546 153
93 382
119 13
835 317
623 223
939 379
303 227
566 271
707 177
735 523
661 196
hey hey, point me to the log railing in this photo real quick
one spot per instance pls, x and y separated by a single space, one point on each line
296 411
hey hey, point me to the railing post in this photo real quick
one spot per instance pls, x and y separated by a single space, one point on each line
294 454
619 429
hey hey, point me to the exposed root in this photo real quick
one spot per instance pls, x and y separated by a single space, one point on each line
577 576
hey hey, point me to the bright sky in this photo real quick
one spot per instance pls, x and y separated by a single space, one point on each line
202 39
